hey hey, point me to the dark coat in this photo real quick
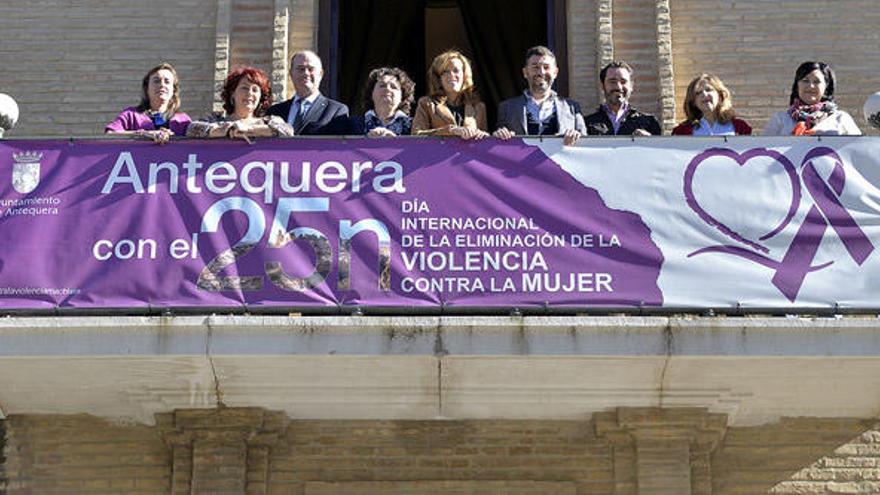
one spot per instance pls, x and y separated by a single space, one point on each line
598 123
325 117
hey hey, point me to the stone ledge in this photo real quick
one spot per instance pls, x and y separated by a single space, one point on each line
439 336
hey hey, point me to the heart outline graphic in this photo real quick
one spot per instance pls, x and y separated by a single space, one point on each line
741 159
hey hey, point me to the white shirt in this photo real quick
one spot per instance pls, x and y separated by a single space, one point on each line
838 123
714 129
540 112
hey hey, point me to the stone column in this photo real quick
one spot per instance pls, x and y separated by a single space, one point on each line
221 50
605 37
180 444
221 451
279 50
665 75
662 451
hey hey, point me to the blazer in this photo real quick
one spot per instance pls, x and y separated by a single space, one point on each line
325 117
599 123
434 118
740 127
512 115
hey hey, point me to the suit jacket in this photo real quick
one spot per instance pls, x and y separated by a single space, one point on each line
512 115
325 117
434 118
599 123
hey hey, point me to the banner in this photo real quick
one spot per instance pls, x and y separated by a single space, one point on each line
653 222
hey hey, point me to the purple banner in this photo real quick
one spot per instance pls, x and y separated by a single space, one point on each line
312 223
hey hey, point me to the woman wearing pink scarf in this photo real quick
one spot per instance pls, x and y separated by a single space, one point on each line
812 108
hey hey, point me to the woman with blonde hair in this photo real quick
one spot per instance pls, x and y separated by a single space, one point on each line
708 106
452 107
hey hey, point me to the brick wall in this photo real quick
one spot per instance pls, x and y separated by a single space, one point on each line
464 451
302 33
582 68
83 454
72 65
755 47
251 37
635 41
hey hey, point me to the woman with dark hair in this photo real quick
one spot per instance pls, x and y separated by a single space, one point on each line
812 108
156 117
388 98
452 107
246 96
708 106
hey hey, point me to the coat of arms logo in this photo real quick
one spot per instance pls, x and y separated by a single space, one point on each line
26 171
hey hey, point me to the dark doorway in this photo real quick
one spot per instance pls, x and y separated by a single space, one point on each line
356 36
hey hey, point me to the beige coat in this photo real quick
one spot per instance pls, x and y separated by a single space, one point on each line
434 118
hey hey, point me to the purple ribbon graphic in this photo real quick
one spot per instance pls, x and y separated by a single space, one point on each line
826 210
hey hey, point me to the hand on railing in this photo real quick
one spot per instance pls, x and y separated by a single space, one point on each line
469 132
503 133
381 132
158 136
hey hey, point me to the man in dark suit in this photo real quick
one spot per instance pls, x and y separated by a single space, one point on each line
616 116
539 111
309 112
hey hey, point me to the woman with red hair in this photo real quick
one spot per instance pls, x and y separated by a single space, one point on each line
246 96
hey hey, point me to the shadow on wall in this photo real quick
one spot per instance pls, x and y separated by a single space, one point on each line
800 455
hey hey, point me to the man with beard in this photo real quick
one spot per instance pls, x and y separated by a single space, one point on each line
309 112
539 111
616 116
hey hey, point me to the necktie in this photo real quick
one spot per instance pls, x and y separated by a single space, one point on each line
300 112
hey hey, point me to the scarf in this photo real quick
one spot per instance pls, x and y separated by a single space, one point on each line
807 116
160 120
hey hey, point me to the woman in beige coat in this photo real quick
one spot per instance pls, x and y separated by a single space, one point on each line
452 107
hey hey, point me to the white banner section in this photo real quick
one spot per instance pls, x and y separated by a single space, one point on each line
746 222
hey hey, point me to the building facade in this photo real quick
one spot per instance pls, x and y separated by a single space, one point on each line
312 405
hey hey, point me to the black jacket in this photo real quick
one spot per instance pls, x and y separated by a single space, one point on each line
598 123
